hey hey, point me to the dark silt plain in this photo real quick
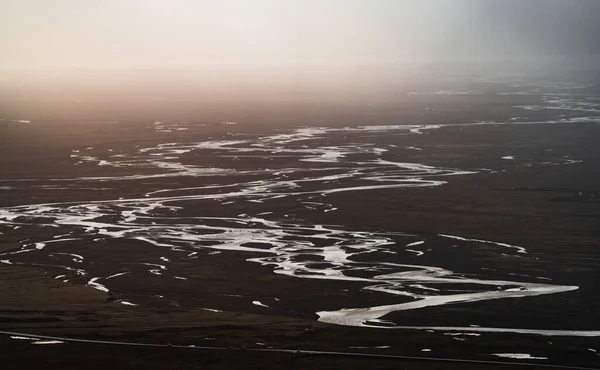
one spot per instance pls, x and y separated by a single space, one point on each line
457 220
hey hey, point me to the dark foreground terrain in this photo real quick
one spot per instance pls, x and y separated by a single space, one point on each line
446 224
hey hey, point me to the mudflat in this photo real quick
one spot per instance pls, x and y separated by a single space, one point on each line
449 224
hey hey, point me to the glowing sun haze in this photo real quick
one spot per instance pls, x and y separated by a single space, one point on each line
131 34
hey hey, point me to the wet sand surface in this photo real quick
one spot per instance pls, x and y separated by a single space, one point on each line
446 224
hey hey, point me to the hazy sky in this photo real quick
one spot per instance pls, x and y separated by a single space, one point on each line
58 34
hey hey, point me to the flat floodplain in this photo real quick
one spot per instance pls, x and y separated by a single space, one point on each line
457 223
